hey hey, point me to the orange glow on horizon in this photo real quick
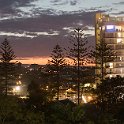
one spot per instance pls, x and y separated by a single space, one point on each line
35 60
41 60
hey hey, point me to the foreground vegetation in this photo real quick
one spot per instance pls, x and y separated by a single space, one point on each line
14 110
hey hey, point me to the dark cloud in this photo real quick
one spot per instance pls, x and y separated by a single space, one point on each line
10 6
11 3
54 1
121 12
118 13
74 2
43 21
60 2
47 22
119 3
42 45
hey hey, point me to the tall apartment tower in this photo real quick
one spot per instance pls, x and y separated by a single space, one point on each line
111 29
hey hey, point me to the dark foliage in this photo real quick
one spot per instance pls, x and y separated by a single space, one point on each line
7 68
110 93
12 112
102 55
79 54
38 97
55 68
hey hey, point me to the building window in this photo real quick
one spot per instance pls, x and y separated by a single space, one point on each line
111 65
103 27
119 34
119 40
121 70
110 28
110 76
118 28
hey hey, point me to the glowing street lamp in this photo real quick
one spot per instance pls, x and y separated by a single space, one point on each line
17 88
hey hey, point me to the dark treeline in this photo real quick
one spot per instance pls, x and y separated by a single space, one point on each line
43 104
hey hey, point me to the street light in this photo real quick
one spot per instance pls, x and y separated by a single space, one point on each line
17 88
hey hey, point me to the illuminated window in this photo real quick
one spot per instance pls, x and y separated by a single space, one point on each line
110 76
119 34
100 28
87 85
121 70
119 40
103 27
109 26
118 28
111 65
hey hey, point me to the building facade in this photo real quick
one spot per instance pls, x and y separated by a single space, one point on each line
111 29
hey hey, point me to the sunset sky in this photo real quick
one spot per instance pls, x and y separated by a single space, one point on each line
34 27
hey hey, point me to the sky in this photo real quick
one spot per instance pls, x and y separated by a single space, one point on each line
34 27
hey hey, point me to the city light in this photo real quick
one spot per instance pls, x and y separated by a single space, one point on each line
83 98
111 65
17 88
18 82
119 40
110 27
119 34
89 98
